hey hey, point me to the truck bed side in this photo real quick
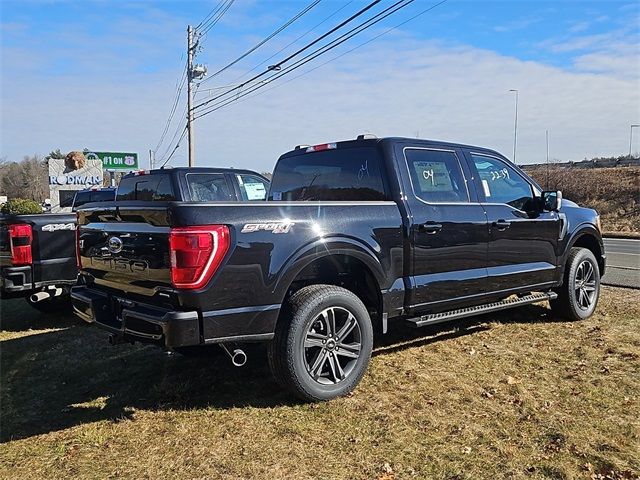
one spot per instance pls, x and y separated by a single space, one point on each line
53 251
273 245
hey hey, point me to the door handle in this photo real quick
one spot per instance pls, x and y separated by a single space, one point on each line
430 227
501 225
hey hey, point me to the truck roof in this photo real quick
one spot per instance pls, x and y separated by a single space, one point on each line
363 140
202 170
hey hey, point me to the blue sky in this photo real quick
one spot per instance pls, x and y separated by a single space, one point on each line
101 74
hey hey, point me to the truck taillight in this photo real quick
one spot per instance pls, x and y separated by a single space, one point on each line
196 253
322 147
21 237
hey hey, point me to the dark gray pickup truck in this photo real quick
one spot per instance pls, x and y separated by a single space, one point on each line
354 235
38 252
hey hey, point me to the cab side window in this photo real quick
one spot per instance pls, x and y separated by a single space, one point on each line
500 183
208 187
252 188
436 176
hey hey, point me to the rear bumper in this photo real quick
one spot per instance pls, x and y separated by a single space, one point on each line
17 282
137 321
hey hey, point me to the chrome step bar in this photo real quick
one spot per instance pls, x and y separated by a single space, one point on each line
434 318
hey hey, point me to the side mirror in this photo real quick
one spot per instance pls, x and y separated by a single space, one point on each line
552 200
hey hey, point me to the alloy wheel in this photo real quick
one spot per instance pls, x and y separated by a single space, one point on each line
332 346
584 285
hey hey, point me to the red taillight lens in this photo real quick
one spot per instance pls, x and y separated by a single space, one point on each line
21 237
196 254
322 147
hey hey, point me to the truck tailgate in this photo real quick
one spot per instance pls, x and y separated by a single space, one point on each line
126 248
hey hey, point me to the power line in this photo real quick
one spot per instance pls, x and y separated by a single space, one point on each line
206 24
354 48
177 131
184 131
213 11
328 61
179 87
306 47
216 19
269 37
296 40
346 52
315 54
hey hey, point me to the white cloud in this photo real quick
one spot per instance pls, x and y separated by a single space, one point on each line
396 86
519 24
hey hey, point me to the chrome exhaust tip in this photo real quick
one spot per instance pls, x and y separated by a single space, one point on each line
238 357
38 297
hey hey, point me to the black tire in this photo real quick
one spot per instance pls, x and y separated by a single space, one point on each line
298 345
59 304
578 295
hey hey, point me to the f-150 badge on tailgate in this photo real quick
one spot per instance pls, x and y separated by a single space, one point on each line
283 227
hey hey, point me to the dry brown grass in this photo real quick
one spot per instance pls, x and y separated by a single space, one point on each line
512 395
613 192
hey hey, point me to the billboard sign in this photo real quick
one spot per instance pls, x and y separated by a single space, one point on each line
115 160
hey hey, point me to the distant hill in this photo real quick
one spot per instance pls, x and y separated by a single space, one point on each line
613 191
600 162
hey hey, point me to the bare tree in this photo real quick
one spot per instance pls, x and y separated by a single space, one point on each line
24 179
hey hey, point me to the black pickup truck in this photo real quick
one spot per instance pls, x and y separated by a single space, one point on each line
38 252
355 236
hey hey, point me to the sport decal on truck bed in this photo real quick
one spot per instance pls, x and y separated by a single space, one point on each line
284 227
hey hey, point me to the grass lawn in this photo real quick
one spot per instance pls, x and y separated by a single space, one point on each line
517 394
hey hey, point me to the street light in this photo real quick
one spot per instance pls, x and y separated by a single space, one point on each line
631 137
515 127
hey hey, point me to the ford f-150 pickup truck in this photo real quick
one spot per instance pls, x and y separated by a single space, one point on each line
38 252
355 236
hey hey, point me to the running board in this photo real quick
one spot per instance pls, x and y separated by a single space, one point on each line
471 311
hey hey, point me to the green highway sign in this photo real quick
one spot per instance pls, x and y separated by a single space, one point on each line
115 160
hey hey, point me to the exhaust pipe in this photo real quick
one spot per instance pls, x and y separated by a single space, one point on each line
45 294
38 297
238 357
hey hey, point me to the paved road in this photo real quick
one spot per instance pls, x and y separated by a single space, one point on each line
623 262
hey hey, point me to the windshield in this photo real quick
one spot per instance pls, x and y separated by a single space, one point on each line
339 174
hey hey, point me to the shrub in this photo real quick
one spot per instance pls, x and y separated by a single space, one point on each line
20 206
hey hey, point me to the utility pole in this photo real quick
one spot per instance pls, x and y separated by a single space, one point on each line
190 54
515 127
150 159
547 136
631 138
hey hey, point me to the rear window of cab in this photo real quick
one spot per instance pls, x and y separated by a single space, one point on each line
156 187
347 174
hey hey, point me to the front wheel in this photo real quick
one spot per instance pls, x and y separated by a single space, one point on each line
578 296
323 343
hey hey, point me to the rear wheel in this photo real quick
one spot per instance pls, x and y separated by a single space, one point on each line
322 344
578 296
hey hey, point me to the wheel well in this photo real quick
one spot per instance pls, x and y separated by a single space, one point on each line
590 242
347 272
